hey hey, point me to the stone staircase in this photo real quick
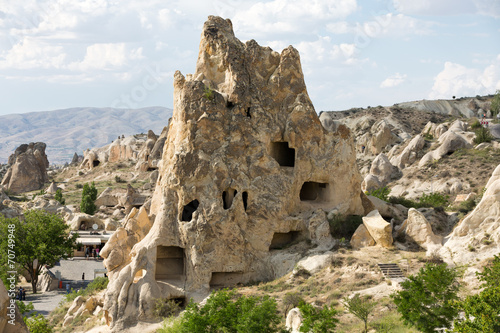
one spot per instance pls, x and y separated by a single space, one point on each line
391 271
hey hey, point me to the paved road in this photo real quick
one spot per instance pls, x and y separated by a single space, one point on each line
70 271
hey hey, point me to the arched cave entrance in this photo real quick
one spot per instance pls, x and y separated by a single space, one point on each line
312 191
227 197
95 163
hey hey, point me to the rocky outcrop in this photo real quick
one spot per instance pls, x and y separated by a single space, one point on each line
121 150
28 168
361 238
410 153
381 173
151 152
294 320
10 317
467 107
449 142
247 169
477 236
379 229
417 229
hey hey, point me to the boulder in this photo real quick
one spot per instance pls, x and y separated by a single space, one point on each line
386 209
409 154
379 229
361 238
314 263
294 320
450 142
246 168
381 173
416 228
28 168
370 183
47 281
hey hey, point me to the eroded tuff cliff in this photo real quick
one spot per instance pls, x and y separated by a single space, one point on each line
247 168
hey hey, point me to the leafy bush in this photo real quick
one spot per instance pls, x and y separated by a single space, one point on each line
208 93
475 124
317 319
59 197
344 227
426 300
483 135
482 311
433 199
99 283
291 300
224 311
381 193
38 324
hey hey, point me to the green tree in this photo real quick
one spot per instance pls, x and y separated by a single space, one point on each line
40 239
495 104
59 197
89 195
225 312
482 311
360 307
290 301
317 320
426 300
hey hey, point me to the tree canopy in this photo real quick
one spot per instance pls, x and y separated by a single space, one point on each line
89 195
40 238
426 300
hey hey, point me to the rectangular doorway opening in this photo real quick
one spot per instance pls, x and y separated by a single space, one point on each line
283 154
283 239
169 263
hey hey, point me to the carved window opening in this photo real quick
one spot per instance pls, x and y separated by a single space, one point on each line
189 209
229 104
151 169
227 197
225 279
96 163
248 113
283 154
245 200
312 191
282 239
169 263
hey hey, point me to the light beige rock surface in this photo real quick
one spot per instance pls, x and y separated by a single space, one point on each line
294 320
47 281
379 229
449 142
416 228
480 230
28 168
409 154
245 168
362 238
381 173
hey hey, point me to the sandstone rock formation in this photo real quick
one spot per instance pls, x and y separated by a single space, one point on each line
362 238
477 236
381 173
28 168
379 229
409 154
151 152
417 229
6 315
47 281
294 320
247 169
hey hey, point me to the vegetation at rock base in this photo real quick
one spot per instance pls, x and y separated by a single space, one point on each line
427 299
98 284
483 135
482 311
39 239
318 319
225 311
495 104
381 193
164 308
344 226
35 322
89 195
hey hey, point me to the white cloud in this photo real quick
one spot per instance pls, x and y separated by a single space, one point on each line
291 16
31 53
458 80
104 57
393 81
448 7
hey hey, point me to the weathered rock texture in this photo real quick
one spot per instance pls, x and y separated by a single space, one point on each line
28 168
247 168
6 315
417 229
120 150
378 228
477 236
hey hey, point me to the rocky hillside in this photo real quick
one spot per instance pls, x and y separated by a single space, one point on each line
74 130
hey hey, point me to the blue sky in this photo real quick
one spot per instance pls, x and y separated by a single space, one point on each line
64 53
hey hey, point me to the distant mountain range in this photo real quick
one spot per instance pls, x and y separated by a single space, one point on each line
73 130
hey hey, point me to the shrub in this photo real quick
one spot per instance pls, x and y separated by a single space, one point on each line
118 179
224 311
433 199
38 324
381 193
317 319
208 93
59 197
344 227
291 300
483 135
476 124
